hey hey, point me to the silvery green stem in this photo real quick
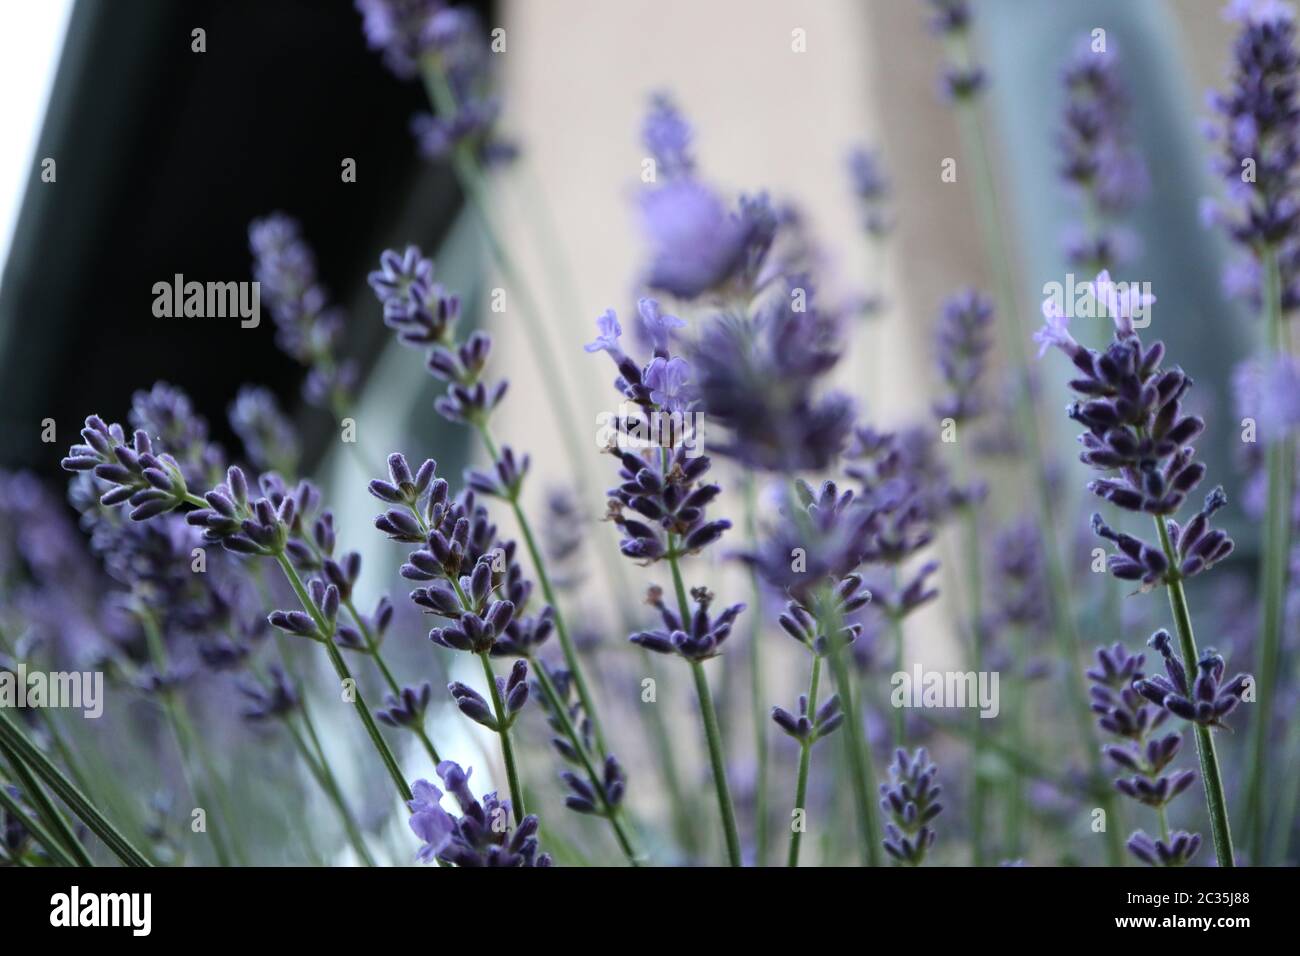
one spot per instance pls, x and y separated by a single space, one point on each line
13 738
612 813
341 670
373 650
805 760
507 749
56 849
1277 547
1215 801
710 717
186 745
1014 335
758 697
48 813
855 744
975 597
548 591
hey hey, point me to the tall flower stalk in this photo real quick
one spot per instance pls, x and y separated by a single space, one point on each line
424 315
1260 142
1139 439
963 82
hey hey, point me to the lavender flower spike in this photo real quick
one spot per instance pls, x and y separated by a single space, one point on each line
910 800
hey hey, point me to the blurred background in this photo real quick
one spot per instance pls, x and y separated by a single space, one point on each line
164 155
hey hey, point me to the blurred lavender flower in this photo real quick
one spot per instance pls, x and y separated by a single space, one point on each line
763 379
910 800
481 836
269 439
167 416
962 341
667 137
273 700
1097 156
871 190
818 542
951 20
1020 589
1178 850
308 328
406 709
1260 130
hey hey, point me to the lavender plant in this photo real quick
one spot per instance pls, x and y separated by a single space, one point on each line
732 343
457 533
1259 137
661 482
1140 439
1123 713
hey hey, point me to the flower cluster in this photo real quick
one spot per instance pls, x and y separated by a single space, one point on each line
1097 157
760 377
806 728
1260 132
1139 437
696 245
448 46
1138 751
870 188
697 639
480 836
951 20
910 800
1207 700
308 328
963 339
907 496
424 314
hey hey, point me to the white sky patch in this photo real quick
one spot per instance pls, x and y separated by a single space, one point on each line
31 38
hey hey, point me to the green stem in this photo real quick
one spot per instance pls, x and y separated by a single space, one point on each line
548 591
341 669
900 649
372 649
320 771
503 731
717 761
1020 709
994 240
975 596
805 760
864 787
46 810
757 696
184 736
474 185
710 716
1215 801
609 811
33 825
1277 547
12 737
